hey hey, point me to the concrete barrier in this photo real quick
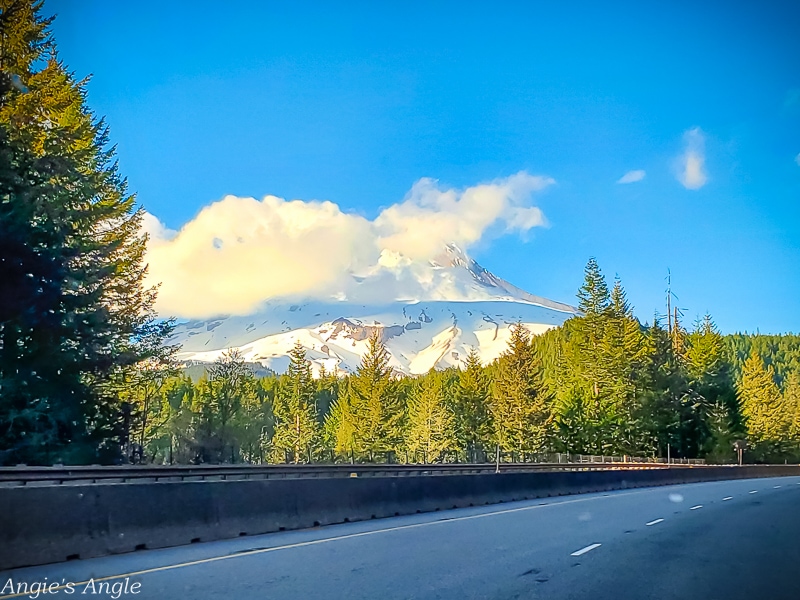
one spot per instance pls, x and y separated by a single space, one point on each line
46 524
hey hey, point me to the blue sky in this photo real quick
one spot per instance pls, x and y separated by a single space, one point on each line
355 102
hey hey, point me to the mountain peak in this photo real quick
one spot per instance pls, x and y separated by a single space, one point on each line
452 275
453 256
429 314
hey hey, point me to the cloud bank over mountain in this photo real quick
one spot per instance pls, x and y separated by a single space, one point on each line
238 252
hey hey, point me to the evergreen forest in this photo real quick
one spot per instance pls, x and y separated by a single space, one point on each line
87 373
601 384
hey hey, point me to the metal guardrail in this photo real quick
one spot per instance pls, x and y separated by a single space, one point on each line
56 475
563 457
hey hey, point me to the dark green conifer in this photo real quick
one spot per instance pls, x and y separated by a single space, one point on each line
473 419
74 314
768 419
296 427
593 297
375 404
519 406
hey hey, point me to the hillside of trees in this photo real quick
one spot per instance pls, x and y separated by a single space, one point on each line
603 383
87 374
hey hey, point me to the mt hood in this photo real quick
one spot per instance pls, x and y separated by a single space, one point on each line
429 315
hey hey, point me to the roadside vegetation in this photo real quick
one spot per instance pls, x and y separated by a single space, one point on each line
87 374
602 384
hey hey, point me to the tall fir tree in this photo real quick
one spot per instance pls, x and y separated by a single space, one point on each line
340 429
710 378
253 425
520 411
227 386
665 401
145 412
74 314
618 304
430 424
375 404
791 403
705 354
473 417
766 416
594 301
600 365
593 296
296 427
174 444
623 356
325 393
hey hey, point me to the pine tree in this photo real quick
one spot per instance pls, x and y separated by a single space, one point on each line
176 443
723 434
705 353
520 412
74 315
791 402
599 373
622 358
429 431
767 418
266 392
228 386
593 296
253 425
296 427
376 406
340 425
709 375
142 395
325 393
473 419
678 335
619 306
669 407
594 301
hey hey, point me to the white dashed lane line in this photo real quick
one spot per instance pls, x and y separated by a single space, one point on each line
588 548
656 522
775 487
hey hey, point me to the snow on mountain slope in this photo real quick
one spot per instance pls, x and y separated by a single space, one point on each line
456 305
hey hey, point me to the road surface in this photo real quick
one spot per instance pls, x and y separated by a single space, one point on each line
723 540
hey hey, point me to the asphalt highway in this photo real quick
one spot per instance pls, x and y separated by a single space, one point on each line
723 540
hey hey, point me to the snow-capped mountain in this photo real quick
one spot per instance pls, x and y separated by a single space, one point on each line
436 312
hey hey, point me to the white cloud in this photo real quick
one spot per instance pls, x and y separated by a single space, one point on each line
797 160
238 252
692 173
632 176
